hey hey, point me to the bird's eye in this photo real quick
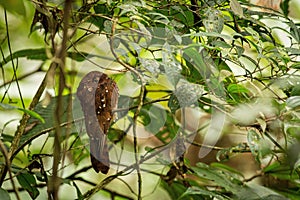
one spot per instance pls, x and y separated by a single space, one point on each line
95 80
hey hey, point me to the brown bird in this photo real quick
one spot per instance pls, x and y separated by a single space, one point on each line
98 96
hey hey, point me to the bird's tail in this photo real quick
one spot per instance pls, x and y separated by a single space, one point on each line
99 154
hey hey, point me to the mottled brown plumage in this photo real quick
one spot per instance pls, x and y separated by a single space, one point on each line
98 96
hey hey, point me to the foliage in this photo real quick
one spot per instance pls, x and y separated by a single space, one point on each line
171 59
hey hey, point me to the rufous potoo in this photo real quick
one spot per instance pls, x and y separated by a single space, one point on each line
98 96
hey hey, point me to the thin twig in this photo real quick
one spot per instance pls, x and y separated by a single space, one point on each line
21 128
107 180
12 60
8 164
253 177
137 112
111 192
60 57
20 77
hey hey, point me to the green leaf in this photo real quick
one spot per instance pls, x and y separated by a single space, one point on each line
293 51
29 112
213 20
188 93
225 75
191 74
31 54
14 6
198 61
151 65
183 15
169 131
296 65
294 131
79 194
124 102
40 54
153 117
80 56
210 34
236 8
284 5
202 192
294 30
97 20
219 178
272 167
236 89
28 182
173 103
127 8
172 68
33 114
293 102
149 149
206 67
4 195
224 154
260 147
5 106
224 167
292 194
79 153
47 113
257 192
295 90
175 190
253 141
293 155
221 44
116 135
281 171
